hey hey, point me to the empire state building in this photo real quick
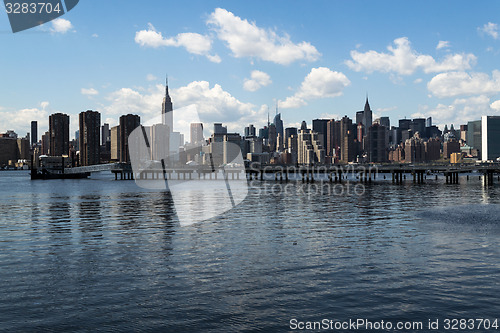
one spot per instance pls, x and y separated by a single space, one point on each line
167 114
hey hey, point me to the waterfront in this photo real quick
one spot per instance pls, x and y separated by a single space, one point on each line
99 254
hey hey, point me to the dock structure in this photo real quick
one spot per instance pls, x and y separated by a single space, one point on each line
365 173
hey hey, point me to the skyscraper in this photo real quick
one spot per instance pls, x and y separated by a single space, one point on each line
90 126
490 132
474 134
378 143
34 132
105 134
367 115
320 126
250 130
58 134
278 123
347 135
196 133
127 124
219 129
167 109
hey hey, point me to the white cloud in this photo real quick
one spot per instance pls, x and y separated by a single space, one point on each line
461 83
495 105
321 82
490 29
213 104
61 25
193 42
403 60
89 92
417 81
20 120
443 44
258 80
151 77
246 39
95 35
461 110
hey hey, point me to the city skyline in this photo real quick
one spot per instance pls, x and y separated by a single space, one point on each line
316 62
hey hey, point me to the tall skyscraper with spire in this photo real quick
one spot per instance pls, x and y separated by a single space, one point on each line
367 115
167 113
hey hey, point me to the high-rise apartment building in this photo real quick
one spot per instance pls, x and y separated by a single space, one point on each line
128 123
58 134
89 130
115 143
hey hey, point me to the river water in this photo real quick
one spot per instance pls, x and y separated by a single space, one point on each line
104 255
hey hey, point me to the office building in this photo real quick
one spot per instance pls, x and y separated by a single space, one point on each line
196 133
34 132
105 134
378 143
490 138
278 123
90 126
219 129
231 147
320 126
347 136
250 130
418 126
273 138
58 134
404 124
474 139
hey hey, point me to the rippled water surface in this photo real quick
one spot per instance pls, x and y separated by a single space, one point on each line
99 254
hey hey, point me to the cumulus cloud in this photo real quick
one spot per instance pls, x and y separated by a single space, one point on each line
321 82
193 42
258 79
20 120
491 29
443 44
89 92
214 104
461 83
461 110
246 39
495 105
61 25
403 60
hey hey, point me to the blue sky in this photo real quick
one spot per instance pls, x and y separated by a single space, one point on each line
235 59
